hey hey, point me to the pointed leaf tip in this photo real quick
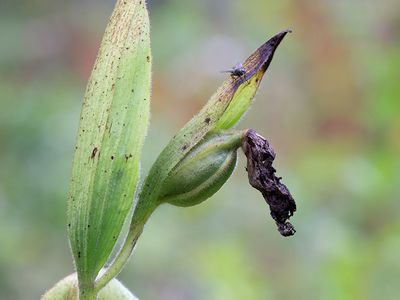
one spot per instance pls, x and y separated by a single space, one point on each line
262 57
244 88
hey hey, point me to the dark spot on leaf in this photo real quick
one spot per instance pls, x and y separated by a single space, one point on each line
127 157
69 225
207 120
79 254
94 151
148 58
260 156
184 147
112 157
88 226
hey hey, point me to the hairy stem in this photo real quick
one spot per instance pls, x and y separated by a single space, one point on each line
87 293
140 216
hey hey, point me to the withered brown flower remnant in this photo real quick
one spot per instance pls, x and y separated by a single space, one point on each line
260 156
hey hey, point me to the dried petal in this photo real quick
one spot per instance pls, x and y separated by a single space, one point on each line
260 156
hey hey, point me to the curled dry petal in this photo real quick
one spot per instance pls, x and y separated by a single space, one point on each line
260 156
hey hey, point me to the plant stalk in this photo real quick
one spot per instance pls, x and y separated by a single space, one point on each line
87 293
140 216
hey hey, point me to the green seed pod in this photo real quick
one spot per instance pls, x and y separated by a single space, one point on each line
203 171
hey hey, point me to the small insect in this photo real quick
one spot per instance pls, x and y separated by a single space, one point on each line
236 71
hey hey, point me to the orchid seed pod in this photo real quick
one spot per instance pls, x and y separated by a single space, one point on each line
203 171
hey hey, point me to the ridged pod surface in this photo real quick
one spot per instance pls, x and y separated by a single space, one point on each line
203 171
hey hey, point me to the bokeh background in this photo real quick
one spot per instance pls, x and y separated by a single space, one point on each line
330 106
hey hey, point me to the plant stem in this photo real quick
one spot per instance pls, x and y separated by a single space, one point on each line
87 293
140 216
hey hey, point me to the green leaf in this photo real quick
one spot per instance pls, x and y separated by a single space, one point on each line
222 111
113 125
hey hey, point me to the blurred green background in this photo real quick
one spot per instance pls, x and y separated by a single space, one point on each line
330 106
